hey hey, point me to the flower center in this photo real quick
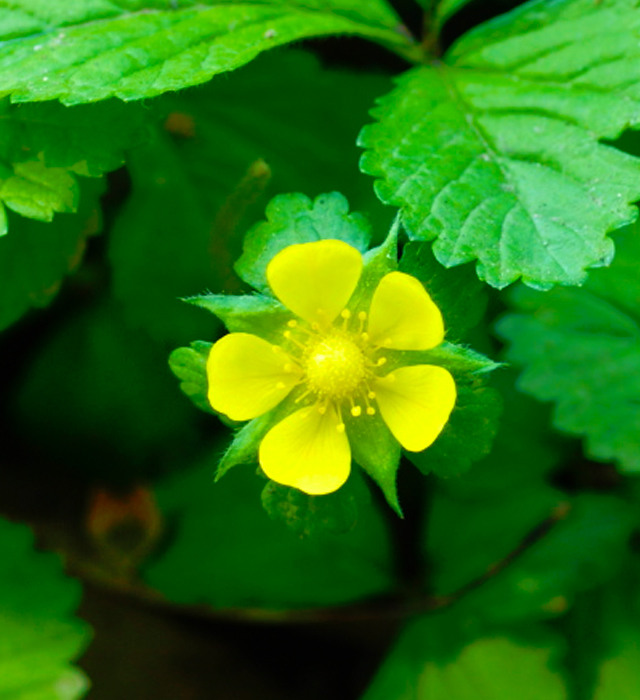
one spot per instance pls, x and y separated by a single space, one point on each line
335 366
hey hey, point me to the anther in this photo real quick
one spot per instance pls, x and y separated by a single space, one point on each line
345 314
371 395
381 361
281 385
287 335
292 323
340 427
322 410
364 336
371 411
362 315
356 411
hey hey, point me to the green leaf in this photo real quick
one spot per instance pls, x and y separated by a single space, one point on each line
335 513
36 256
421 667
579 553
225 551
197 178
115 381
467 436
619 674
88 51
294 218
503 162
458 293
43 147
581 349
40 637
190 365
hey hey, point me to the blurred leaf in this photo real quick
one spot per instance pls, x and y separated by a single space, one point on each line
581 552
275 109
101 395
43 146
225 551
619 674
39 635
502 162
36 256
496 668
294 218
581 350
86 51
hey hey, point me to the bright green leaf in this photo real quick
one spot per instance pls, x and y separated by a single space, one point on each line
225 551
581 349
619 674
39 635
503 161
294 218
87 51
423 666
35 256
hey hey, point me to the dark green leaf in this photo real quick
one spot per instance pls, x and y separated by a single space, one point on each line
40 637
503 162
197 179
294 218
36 256
468 435
458 293
86 51
227 552
581 350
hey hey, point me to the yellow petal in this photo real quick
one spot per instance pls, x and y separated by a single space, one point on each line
248 376
403 316
415 403
315 280
306 450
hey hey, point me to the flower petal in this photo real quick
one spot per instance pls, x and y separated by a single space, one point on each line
248 376
315 280
403 316
306 450
415 402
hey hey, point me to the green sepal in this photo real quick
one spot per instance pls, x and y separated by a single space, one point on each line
459 360
468 435
258 314
190 366
457 292
335 513
377 263
294 218
375 449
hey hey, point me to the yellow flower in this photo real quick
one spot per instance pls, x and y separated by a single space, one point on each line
332 358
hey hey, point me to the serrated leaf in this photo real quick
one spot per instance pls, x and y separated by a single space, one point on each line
294 218
190 365
422 667
89 51
225 551
36 256
195 178
503 162
40 638
581 350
